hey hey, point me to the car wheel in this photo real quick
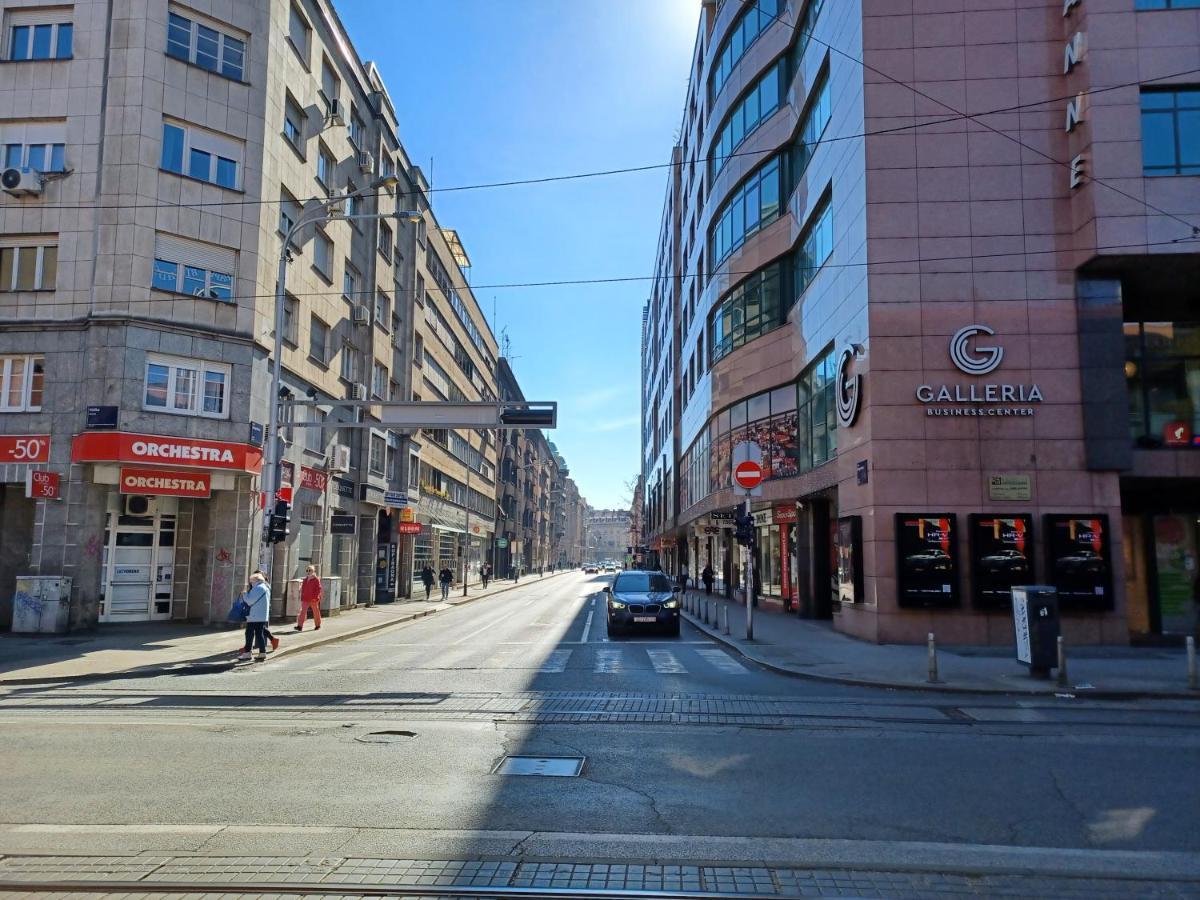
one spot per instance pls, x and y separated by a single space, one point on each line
673 629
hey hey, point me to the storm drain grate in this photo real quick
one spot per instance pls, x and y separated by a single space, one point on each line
554 766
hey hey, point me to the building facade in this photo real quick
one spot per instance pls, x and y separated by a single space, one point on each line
163 150
609 534
934 266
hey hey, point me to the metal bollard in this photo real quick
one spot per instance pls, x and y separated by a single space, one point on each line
933 668
1063 680
1191 653
726 620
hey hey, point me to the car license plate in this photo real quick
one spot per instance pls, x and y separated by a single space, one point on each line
645 619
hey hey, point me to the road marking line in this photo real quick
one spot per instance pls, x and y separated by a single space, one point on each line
556 661
609 662
665 663
587 627
722 661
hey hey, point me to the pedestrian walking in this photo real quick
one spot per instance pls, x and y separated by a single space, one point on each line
681 581
258 598
311 594
707 577
427 580
445 577
485 573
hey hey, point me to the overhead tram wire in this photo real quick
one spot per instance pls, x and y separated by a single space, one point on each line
691 160
625 279
974 117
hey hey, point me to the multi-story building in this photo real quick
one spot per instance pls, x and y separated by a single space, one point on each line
161 152
609 534
573 518
935 265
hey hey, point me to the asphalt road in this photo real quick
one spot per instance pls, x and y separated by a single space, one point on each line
684 746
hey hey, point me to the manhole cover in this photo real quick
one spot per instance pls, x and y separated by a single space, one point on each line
386 737
558 766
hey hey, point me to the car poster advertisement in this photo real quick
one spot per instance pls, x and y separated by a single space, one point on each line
849 559
927 561
1001 557
1078 563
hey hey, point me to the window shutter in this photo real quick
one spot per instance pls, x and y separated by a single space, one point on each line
56 15
193 253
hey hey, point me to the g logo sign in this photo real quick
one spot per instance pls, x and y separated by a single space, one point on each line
849 391
980 362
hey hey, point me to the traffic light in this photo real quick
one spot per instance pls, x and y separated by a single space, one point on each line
281 521
744 529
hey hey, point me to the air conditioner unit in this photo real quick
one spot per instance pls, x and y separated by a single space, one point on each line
361 315
366 162
341 458
360 391
337 112
138 505
23 182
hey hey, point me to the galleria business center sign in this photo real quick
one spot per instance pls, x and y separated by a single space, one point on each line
976 398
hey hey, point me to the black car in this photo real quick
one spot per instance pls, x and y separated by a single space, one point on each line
638 600
932 560
1005 561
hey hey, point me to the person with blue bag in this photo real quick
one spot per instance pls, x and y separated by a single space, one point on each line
258 611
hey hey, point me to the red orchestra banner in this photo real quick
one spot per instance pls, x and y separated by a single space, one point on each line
165 483
159 450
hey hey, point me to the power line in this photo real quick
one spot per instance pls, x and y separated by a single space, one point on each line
622 279
691 160
974 118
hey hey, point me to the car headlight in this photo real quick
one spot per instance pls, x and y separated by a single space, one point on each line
616 604
671 604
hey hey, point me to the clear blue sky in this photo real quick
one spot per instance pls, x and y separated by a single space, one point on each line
503 89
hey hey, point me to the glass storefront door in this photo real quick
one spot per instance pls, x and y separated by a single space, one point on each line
1175 558
139 560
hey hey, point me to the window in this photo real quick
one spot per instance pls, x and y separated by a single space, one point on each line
299 34
318 340
314 438
206 47
387 167
755 107
22 382
28 268
326 167
379 380
382 309
750 24
187 387
323 255
393 390
1167 4
815 246
291 313
331 85
391 463
353 203
350 283
289 214
1171 132
378 454
39 157
183 266
397 339
753 205
419 351
814 120
751 309
293 123
1162 370
350 364
385 241
39 34
817 439
358 131
200 154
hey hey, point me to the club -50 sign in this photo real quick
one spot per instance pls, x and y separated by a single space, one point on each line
24 448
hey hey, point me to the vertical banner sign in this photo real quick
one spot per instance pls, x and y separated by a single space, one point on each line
1078 561
849 559
926 559
1001 557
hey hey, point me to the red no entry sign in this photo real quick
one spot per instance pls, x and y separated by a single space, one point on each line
748 474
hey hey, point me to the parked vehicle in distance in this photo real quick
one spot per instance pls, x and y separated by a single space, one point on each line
642 600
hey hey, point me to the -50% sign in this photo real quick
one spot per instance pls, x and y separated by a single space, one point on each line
24 448
42 485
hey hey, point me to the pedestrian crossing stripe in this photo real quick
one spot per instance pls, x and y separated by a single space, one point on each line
665 663
556 662
609 662
722 660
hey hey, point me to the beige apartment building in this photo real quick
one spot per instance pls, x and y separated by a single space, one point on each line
156 154
936 261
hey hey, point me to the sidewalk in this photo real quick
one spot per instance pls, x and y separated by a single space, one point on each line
809 649
168 648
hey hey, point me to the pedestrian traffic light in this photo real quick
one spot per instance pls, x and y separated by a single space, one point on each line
744 529
281 521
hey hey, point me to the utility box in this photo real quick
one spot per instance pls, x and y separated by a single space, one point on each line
1036 625
41 604
331 600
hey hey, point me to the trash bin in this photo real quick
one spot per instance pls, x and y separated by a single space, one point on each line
1035 622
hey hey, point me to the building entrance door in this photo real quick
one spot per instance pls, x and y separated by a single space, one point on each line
139 558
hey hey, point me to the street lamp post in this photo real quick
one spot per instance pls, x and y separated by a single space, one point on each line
328 212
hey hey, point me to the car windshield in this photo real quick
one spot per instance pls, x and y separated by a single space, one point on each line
634 582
